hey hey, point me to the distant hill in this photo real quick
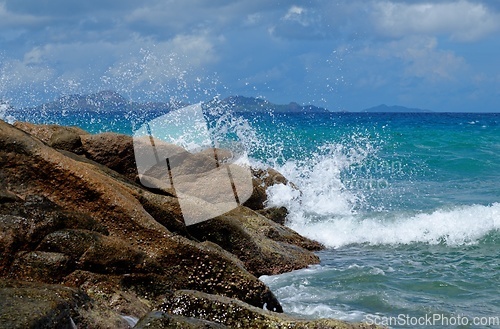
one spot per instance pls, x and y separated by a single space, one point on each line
102 101
394 109
251 104
112 101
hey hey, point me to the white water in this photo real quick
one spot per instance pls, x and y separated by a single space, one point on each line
327 211
4 115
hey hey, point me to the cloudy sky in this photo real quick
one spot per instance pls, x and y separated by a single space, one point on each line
344 55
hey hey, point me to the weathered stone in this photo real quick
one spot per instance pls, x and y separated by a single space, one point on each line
29 167
40 266
66 140
276 214
114 151
34 305
264 246
236 314
162 320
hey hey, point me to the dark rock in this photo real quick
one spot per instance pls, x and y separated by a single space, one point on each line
162 320
264 246
96 252
41 266
6 196
59 137
34 305
66 140
24 223
262 179
276 214
236 314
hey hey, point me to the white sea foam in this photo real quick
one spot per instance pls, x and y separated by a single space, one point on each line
327 211
456 226
309 301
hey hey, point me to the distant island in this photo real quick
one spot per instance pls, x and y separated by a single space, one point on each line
113 101
394 109
251 104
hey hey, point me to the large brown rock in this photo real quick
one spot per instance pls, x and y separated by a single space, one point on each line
236 314
264 246
115 151
262 179
139 250
31 305
59 137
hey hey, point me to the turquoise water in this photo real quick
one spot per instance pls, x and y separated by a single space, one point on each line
408 206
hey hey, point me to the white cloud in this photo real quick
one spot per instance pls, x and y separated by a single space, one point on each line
461 20
420 57
294 13
12 20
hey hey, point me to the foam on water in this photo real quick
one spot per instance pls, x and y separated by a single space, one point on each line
325 209
462 225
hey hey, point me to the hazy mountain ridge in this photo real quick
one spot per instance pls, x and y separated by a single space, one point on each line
252 104
102 101
113 101
383 108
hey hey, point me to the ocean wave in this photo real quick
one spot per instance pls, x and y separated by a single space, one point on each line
453 227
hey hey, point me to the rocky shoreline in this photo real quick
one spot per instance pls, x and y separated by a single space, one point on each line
84 245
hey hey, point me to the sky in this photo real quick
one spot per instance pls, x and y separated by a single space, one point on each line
345 55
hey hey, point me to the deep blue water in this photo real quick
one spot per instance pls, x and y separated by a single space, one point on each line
408 206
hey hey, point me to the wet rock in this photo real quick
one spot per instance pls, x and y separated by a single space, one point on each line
162 320
262 179
114 151
276 214
59 137
34 305
236 314
157 257
264 246
40 266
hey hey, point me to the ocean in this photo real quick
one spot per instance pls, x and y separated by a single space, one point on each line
407 205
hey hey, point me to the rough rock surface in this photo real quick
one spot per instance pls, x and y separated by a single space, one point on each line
58 137
264 246
30 305
235 314
148 248
115 151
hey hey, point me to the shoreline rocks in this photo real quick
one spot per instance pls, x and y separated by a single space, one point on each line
76 219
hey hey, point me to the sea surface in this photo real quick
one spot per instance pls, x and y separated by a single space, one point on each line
407 205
